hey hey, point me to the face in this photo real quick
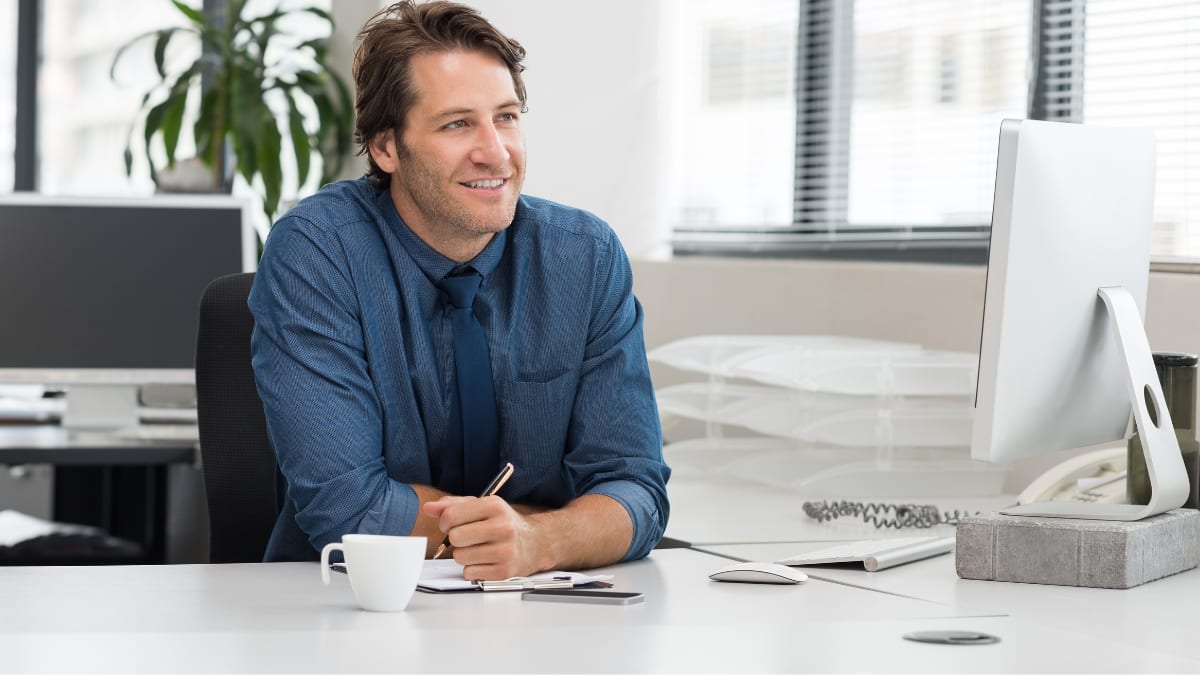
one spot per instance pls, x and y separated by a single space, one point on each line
458 168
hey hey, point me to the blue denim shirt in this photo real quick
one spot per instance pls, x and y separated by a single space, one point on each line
352 350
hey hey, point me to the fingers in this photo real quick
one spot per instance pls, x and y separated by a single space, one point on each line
499 528
436 507
487 537
488 561
453 512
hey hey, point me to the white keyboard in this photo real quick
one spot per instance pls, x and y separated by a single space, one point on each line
876 554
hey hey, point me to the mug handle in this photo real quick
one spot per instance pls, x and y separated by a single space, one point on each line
329 548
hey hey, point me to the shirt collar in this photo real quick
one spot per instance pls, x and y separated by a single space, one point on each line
435 265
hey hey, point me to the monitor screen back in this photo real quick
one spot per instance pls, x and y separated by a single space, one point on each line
1073 211
109 286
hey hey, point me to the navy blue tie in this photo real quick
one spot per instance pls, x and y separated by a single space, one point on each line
474 419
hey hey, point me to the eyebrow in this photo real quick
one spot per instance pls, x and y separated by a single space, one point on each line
455 112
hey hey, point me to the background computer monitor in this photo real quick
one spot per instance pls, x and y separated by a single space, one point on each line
103 295
1060 362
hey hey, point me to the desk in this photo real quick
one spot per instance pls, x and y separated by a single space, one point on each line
1153 616
111 481
51 444
278 617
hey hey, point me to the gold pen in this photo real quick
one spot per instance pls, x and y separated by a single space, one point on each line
492 488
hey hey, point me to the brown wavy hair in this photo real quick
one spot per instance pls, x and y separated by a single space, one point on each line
388 41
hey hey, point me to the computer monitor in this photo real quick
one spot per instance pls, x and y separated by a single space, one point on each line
1063 353
103 295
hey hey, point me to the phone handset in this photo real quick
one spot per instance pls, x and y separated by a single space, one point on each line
1097 476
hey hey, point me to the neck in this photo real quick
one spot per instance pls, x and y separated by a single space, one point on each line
460 251
460 246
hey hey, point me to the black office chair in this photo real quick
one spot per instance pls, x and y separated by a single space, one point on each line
241 479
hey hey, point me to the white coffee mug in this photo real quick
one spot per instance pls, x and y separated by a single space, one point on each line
383 569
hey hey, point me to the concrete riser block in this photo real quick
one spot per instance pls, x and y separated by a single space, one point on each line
1073 552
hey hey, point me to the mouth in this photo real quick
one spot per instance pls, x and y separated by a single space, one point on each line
485 184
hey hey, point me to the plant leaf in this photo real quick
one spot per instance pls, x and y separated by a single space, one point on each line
194 15
246 108
172 120
202 132
153 124
160 51
169 32
328 126
176 104
345 114
300 142
320 47
268 162
280 13
244 154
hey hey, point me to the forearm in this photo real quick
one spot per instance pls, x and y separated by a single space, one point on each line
591 531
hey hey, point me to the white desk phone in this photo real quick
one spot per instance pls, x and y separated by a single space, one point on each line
1097 476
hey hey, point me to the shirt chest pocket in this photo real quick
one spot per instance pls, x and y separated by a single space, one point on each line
535 420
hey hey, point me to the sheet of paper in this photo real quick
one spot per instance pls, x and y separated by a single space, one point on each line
447 575
16 527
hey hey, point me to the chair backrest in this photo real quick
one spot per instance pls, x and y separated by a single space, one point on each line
240 474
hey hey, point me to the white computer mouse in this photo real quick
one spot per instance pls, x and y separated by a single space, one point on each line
759 573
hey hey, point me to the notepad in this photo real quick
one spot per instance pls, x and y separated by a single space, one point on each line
439 576
875 554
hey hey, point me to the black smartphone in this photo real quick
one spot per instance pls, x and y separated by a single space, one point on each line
593 597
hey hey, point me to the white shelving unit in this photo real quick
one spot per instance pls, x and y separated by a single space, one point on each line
828 416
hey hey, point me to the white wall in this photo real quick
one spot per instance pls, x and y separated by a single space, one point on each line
938 306
599 103
598 123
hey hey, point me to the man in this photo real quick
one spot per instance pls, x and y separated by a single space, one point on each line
373 358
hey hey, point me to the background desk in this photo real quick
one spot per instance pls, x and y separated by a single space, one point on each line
115 482
259 617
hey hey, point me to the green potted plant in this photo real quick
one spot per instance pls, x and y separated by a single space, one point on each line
257 84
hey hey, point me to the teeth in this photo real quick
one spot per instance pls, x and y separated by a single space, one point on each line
486 183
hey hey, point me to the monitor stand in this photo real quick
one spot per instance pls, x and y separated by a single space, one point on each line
100 407
1168 476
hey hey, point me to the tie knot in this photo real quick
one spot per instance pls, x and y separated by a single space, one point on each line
461 286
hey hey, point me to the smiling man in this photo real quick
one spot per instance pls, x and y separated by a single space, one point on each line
420 327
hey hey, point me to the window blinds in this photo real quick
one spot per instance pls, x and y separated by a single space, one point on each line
1143 69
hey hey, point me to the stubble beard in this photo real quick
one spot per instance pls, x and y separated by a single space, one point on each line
445 215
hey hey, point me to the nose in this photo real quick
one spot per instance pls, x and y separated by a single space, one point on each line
490 149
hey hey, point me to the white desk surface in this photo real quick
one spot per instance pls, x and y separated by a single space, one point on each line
278 617
1153 616
707 511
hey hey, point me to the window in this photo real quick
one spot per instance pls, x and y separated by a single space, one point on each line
8 91
738 112
1142 68
894 114
888 132
84 116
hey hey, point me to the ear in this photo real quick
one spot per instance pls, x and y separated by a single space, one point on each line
383 151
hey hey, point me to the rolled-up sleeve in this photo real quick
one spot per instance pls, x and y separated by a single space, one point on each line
323 414
615 438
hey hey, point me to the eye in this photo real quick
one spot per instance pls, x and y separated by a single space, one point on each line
508 117
456 124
